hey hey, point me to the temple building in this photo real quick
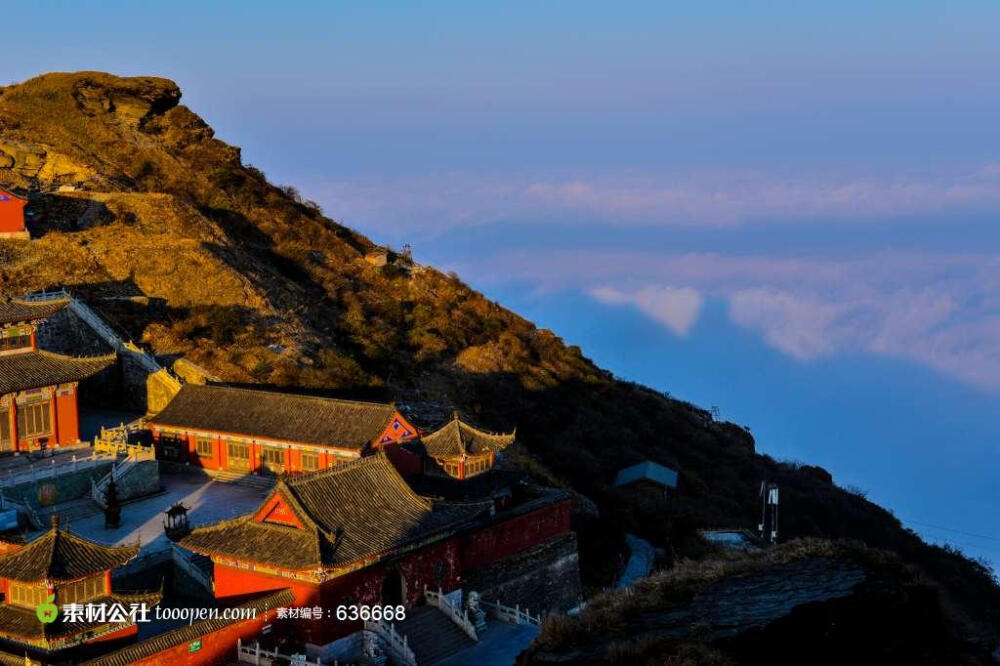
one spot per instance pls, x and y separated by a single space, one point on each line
262 432
38 389
62 568
358 534
12 223
461 451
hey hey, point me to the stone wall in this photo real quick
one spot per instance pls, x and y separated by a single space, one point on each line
192 373
62 488
65 333
160 390
141 480
543 578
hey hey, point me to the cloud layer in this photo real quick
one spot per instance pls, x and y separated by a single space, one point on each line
939 310
706 200
936 308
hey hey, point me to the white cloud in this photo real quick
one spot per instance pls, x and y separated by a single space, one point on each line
797 326
939 310
675 308
711 199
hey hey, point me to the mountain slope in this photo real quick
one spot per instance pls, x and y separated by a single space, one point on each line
139 200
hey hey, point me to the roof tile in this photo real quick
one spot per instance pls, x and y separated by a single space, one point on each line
281 416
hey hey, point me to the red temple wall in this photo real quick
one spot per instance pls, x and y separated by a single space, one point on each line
405 462
435 565
65 422
67 418
231 582
11 214
219 457
514 535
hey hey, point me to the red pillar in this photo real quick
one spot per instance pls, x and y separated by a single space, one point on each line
53 420
15 436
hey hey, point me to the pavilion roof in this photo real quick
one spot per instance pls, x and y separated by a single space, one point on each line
281 416
35 369
59 555
457 438
354 511
15 311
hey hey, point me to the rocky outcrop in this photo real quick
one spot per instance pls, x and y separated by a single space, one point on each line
128 100
21 159
25 165
846 606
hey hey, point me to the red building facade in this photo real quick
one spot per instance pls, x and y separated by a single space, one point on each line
12 215
260 432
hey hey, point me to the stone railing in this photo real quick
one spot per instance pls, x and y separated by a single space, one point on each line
115 441
511 615
395 643
459 617
45 296
136 454
23 507
39 471
255 654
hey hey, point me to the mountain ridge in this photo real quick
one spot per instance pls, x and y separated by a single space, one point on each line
164 229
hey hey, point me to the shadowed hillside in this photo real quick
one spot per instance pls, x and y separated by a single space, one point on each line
139 209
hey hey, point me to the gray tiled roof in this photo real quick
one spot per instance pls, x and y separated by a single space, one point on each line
457 438
357 510
35 369
281 416
14 311
61 555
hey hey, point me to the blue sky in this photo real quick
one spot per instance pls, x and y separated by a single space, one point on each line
786 209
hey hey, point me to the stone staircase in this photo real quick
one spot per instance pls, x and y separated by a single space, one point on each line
432 635
221 475
239 479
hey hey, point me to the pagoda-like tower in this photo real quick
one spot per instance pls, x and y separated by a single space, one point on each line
461 451
61 568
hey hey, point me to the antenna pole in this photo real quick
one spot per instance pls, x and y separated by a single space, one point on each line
772 498
763 508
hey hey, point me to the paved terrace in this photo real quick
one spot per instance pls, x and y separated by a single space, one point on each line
208 500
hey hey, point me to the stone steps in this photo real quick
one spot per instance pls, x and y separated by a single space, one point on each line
432 636
249 480
221 475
